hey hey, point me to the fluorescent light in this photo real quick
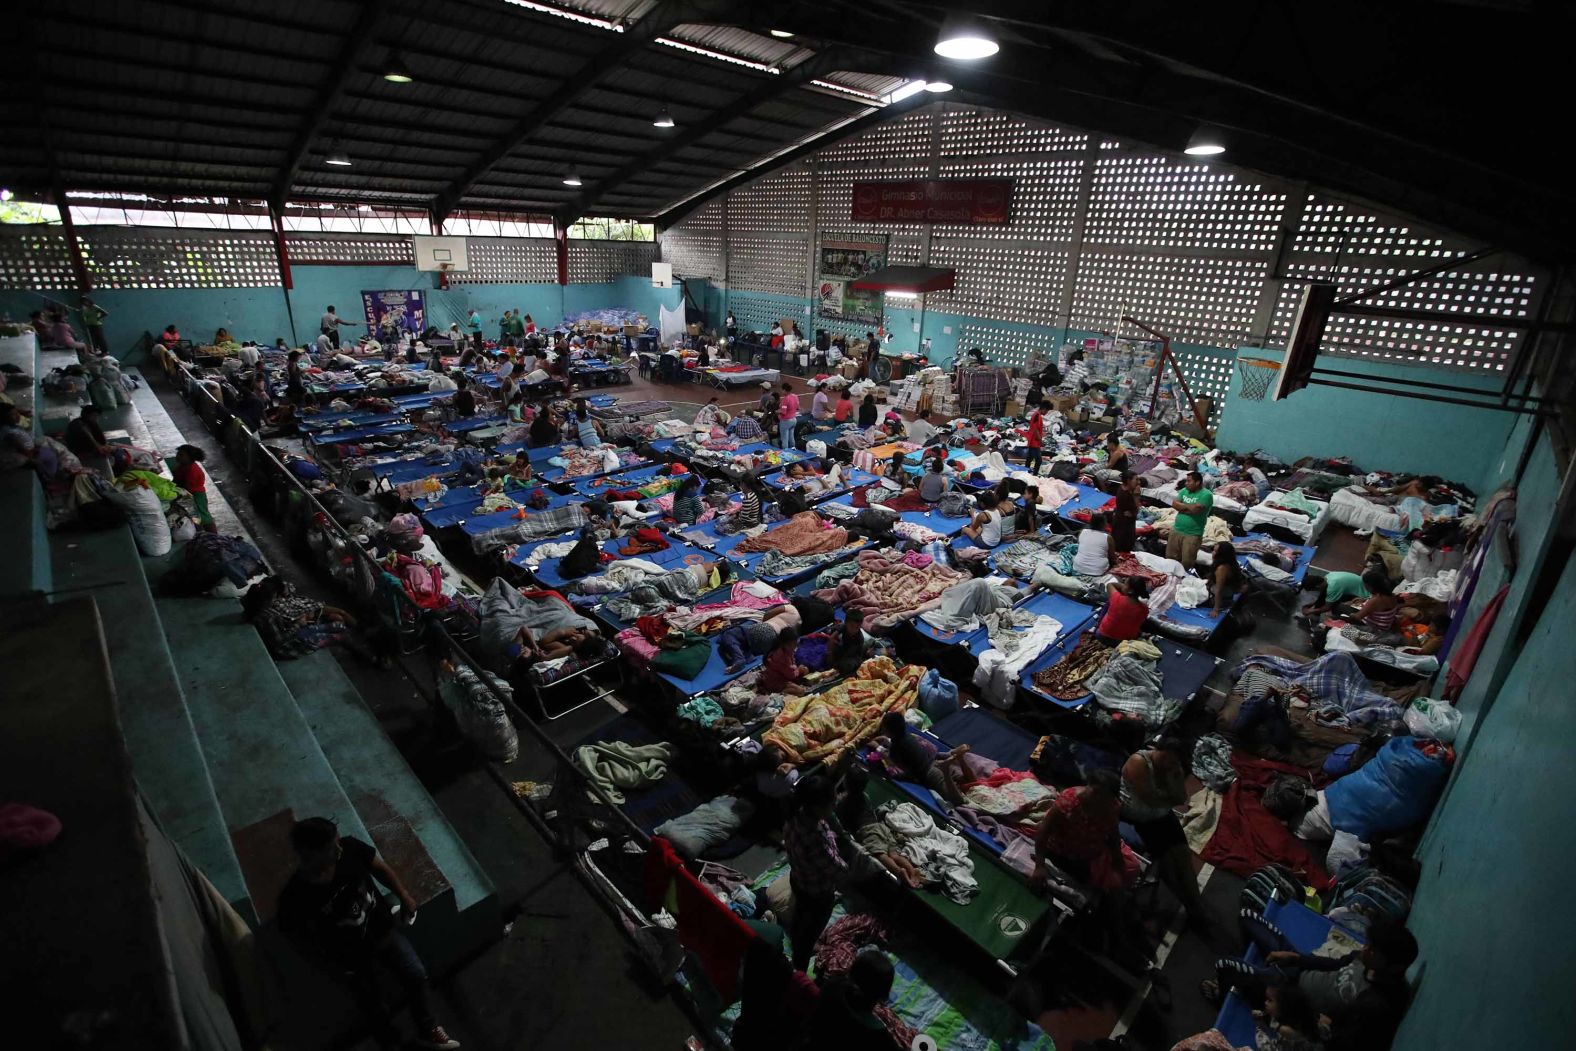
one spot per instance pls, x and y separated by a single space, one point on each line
572 179
1206 142
718 55
664 119
338 160
913 87
781 34
938 87
363 208
395 71
965 40
573 16
898 293
851 93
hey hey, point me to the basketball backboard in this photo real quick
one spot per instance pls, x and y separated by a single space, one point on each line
440 253
1302 346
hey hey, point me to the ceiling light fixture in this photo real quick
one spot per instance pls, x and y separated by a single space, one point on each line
1206 142
664 119
901 293
908 88
965 40
938 87
572 179
395 71
338 159
781 34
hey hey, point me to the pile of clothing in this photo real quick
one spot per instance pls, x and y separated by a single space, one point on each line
1130 682
1068 679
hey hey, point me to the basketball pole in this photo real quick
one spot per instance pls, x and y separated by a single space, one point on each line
1166 357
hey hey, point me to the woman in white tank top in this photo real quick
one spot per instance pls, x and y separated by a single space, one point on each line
985 529
1096 549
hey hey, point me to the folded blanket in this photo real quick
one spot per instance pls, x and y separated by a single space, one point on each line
616 765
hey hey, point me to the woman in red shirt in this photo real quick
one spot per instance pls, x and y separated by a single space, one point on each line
1126 611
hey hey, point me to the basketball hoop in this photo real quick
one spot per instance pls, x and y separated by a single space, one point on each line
1257 375
444 268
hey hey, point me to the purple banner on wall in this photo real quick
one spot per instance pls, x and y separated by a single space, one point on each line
395 311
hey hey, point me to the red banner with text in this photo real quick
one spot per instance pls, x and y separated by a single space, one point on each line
985 202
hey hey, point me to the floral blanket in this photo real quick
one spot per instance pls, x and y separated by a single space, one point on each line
890 590
825 725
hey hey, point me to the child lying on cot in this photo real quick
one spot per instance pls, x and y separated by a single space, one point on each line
917 760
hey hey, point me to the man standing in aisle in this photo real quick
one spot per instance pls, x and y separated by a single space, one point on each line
1036 454
872 352
473 324
93 317
787 417
330 323
1193 504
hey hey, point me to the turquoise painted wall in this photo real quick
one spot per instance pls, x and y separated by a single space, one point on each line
1491 913
260 313
1375 430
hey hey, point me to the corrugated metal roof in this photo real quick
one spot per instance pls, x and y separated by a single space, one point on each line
186 92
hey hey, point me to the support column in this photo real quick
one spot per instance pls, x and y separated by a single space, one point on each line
79 266
1269 295
812 285
1076 241
561 250
286 279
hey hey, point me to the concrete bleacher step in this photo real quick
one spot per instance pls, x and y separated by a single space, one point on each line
262 756
166 758
458 903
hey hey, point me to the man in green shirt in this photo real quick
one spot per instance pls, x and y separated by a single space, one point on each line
1193 504
93 317
514 326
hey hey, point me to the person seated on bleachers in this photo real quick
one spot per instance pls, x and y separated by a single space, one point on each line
85 438
61 334
332 909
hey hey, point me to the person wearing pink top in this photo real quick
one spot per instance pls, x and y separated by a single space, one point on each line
787 416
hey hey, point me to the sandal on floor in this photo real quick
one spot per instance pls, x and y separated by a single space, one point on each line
1209 989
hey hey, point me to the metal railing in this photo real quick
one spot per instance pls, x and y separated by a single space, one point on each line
432 630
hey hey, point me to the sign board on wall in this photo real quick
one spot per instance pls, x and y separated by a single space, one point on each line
984 202
844 260
398 311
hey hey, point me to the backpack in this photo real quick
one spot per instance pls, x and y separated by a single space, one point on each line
1065 470
584 558
1267 883
955 505
791 502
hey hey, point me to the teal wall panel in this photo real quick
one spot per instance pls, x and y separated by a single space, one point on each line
260 313
1491 913
1376 430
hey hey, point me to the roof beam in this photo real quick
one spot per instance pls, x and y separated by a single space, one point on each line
356 41
812 69
660 20
804 149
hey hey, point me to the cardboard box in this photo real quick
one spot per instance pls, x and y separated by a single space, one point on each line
1063 403
1014 408
633 330
694 330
